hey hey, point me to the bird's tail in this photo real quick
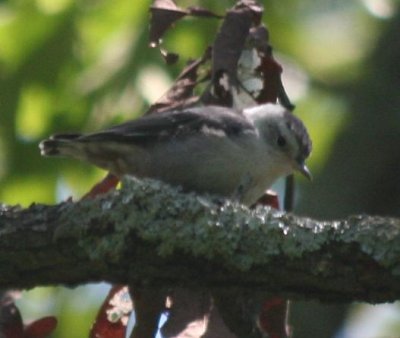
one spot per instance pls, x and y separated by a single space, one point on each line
59 145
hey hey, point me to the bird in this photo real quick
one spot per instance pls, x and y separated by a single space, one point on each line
205 149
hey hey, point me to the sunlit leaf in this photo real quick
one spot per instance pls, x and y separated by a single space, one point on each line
35 102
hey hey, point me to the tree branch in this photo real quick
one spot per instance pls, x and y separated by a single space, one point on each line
149 232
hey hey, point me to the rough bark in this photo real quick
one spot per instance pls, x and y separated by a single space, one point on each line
150 233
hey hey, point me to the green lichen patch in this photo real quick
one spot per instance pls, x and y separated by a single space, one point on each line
205 226
378 237
214 228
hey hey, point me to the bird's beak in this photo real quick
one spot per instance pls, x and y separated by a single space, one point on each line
302 168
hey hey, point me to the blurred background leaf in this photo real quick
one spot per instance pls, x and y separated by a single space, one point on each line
68 65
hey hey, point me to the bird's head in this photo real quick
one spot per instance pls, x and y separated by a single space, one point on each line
285 135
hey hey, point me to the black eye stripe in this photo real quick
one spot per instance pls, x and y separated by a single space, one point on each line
281 141
300 133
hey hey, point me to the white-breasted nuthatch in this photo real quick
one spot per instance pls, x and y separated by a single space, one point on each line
204 149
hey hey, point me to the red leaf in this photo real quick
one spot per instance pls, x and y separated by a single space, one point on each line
270 198
40 328
271 72
163 14
105 185
181 93
272 319
111 321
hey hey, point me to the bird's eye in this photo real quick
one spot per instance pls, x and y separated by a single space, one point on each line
281 141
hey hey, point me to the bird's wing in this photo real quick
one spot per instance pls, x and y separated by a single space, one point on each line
173 124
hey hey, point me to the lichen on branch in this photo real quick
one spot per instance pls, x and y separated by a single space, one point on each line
149 230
